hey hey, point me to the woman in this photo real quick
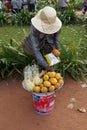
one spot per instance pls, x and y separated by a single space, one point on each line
44 36
63 5
0 6
84 9
32 5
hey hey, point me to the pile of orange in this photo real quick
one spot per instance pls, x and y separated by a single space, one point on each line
50 82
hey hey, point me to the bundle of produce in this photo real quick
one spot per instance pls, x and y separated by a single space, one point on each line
31 77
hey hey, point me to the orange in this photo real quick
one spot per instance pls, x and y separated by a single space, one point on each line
57 85
56 52
51 74
57 76
45 77
41 85
60 81
48 73
36 89
61 78
53 80
46 83
51 88
44 89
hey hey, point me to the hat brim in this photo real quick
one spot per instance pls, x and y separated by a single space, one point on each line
44 27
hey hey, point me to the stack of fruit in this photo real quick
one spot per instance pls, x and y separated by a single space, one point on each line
51 81
41 82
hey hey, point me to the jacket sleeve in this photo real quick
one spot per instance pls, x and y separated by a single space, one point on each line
56 39
34 39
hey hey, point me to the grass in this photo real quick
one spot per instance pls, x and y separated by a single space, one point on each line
68 34
73 33
16 32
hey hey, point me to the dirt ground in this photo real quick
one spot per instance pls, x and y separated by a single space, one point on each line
17 111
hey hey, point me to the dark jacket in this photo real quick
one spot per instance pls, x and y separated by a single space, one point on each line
39 44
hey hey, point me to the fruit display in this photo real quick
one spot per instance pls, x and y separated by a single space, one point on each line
50 82
41 82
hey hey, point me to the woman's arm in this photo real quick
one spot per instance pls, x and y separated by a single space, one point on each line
57 40
34 39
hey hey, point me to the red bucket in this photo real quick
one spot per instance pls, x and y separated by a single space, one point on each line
44 102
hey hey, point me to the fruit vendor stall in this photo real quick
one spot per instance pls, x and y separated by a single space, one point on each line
43 85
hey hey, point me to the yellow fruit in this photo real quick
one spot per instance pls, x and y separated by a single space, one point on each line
57 76
61 78
46 83
60 81
57 85
48 73
41 85
36 89
53 81
51 74
56 52
45 77
51 88
44 89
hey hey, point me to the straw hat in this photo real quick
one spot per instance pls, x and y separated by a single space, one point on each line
46 21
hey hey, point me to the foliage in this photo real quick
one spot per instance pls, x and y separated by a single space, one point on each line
73 61
24 17
10 19
68 16
3 18
83 20
12 58
76 4
42 3
86 24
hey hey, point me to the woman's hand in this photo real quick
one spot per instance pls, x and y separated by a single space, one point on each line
49 68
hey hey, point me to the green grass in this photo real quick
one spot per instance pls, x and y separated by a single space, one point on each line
73 33
68 34
15 32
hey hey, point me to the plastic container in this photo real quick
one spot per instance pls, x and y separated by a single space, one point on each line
44 102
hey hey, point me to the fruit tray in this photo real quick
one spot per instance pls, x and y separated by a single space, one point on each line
43 93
